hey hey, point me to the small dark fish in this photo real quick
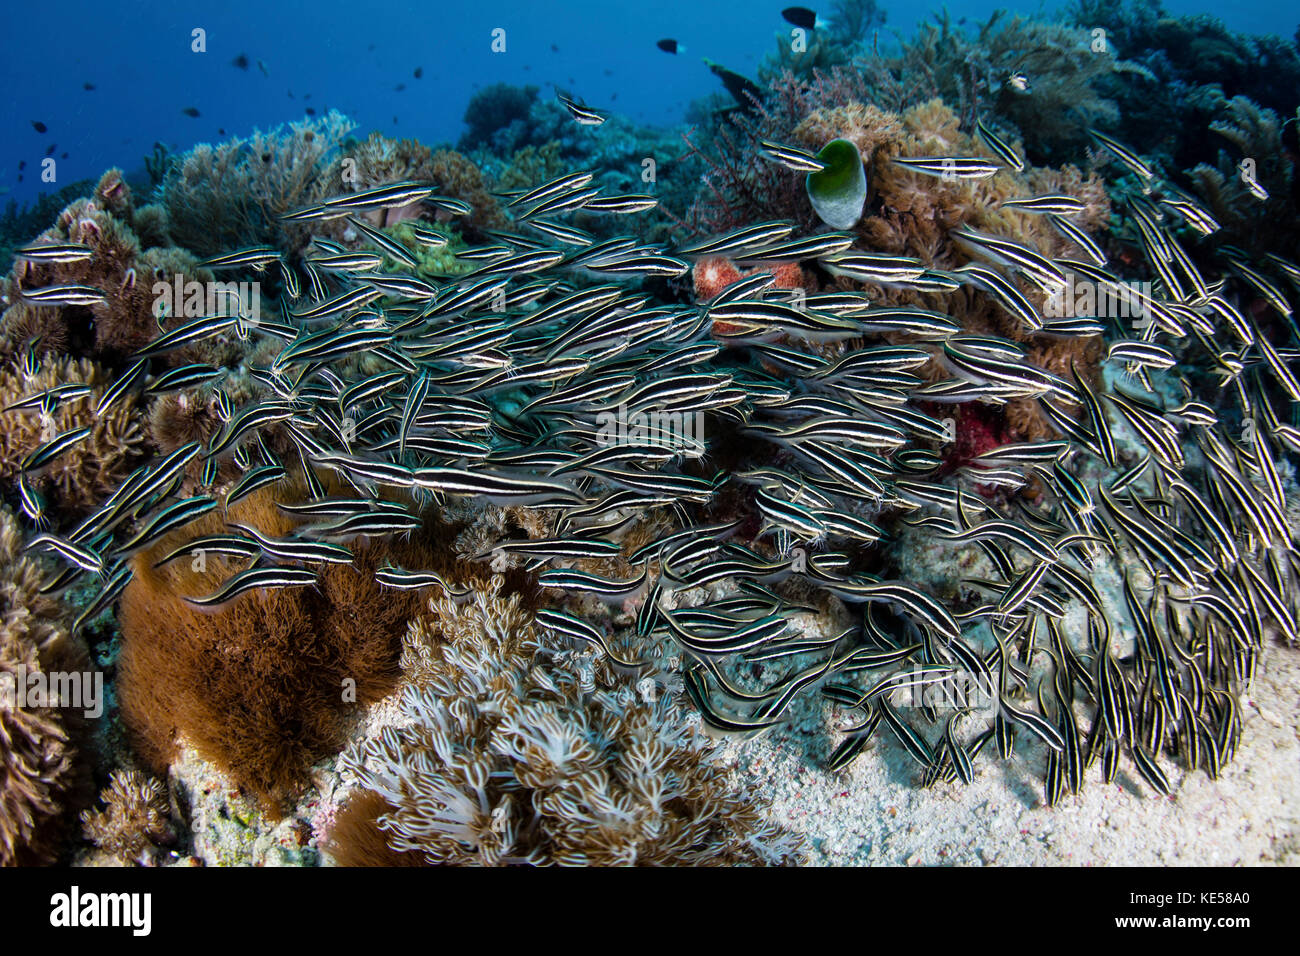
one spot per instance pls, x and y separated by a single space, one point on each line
240 61
49 150
63 156
191 112
87 86
39 126
397 89
419 72
803 17
743 90
310 111
670 46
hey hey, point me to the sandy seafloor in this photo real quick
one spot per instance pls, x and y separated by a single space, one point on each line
874 812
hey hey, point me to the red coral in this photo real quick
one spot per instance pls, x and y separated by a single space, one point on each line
713 275
980 428
977 428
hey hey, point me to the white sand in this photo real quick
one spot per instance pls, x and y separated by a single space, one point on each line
875 813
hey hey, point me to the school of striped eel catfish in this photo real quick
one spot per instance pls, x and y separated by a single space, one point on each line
499 386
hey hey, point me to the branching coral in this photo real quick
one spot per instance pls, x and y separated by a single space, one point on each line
91 469
134 820
519 752
39 774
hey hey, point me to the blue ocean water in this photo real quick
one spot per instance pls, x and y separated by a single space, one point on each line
361 59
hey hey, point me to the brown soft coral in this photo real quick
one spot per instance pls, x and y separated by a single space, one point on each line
89 471
266 685
126 274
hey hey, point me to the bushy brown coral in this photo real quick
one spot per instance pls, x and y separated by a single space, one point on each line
266 685
1250 133
515 751
86 473
134 819
354 838
40 777
41 327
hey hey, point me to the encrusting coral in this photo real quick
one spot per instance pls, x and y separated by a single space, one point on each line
40 775
134 820
514 751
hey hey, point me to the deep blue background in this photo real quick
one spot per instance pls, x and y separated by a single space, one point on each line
350 55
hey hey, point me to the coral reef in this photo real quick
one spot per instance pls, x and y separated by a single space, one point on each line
910 214
517 752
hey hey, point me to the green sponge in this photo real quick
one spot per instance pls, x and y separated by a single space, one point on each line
839 191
